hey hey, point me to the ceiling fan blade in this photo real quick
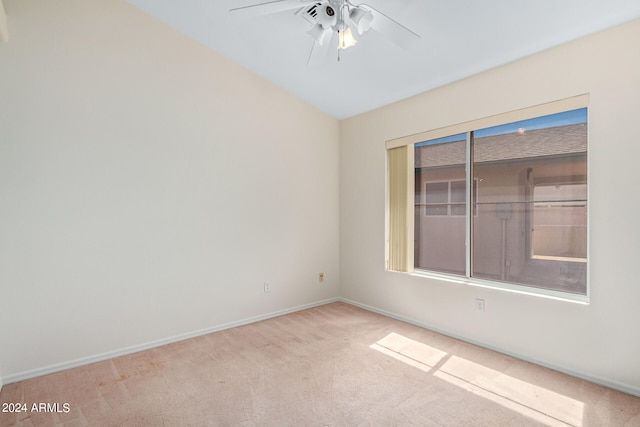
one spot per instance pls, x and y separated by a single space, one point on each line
319 52
266 8
393 30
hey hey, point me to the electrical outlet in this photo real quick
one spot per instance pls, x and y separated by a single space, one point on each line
267 287
321 277
479 304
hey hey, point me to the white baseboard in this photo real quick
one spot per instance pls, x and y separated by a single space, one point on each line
625 388
616 385
134 349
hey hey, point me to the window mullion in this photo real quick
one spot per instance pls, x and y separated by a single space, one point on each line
469 204
449 201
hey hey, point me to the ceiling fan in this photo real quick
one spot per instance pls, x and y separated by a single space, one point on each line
334 19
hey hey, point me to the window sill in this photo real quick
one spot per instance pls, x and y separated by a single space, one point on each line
506 287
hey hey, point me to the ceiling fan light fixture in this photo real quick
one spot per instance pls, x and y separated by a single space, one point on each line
326 16
320 33
361 19
346 39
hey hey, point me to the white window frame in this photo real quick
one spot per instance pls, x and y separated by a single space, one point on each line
567 104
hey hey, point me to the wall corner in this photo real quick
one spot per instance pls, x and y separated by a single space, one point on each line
4 29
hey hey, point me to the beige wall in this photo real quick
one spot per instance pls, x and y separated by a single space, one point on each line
600 340
148 188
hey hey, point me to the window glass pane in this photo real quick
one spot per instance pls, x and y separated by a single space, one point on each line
436 192
530 223
436 196
560 222
458 197
439 227
435 209
458 191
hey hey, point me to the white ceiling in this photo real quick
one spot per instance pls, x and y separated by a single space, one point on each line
458 38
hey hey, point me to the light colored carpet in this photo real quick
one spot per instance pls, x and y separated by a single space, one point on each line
334 365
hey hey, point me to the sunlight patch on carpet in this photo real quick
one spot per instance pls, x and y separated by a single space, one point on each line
535 402
411 352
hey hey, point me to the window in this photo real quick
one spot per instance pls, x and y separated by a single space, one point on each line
437 199
559 225
528 226
445 198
